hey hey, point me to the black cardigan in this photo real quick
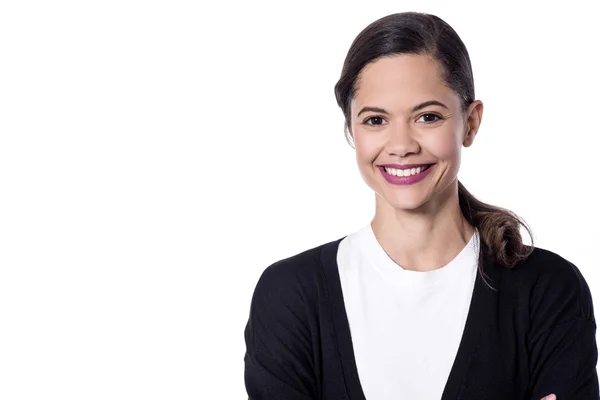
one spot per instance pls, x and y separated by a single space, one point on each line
531 335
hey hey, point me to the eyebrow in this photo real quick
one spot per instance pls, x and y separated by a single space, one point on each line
414 109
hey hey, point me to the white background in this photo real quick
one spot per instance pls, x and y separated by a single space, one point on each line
157 156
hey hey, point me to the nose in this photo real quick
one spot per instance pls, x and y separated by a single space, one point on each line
401 141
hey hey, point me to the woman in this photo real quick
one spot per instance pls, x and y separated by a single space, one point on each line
437 297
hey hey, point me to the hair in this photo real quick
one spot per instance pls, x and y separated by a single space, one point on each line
426 34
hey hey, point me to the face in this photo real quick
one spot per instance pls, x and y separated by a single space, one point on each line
404 114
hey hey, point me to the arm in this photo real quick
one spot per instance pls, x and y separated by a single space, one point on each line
562 348
278 360
564 361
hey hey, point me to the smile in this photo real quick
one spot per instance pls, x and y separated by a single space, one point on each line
407 176
407 171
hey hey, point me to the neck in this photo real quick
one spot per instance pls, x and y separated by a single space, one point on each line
424 239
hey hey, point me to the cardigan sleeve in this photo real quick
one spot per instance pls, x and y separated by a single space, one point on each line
278 363
562 346
564 362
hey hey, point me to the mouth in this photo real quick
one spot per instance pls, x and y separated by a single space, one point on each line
406 172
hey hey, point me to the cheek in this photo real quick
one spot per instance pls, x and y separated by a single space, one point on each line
444 146
445 150
366 150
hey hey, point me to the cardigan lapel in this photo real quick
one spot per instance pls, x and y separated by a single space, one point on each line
340 321
479 315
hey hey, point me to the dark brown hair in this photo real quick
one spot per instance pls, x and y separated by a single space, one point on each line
426 34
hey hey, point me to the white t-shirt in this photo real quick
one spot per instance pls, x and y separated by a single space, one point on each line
406 326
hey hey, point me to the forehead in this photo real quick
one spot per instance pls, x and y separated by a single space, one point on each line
401 81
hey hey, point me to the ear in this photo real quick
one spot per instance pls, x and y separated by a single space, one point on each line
472 122
349 136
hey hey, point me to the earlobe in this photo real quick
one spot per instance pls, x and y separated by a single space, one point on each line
473 122
349 135
348 128
466 142
475 114
469 137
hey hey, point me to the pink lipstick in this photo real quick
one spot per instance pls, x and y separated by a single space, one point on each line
406 180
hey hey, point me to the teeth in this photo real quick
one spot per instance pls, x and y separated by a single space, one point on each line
404 172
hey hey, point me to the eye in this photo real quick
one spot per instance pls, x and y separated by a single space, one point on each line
375 120
429 118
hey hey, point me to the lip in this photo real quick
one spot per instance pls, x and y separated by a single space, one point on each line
405 180
404 166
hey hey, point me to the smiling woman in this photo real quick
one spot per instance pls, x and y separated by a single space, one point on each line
437 296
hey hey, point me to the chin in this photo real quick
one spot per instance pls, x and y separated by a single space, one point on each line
406 201
407 206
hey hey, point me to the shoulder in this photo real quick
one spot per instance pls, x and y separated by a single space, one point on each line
293 279
547 266
555 288
550 272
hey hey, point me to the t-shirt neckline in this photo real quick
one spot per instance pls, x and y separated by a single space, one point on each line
464 263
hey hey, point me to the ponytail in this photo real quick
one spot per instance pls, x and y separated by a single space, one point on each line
499 229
